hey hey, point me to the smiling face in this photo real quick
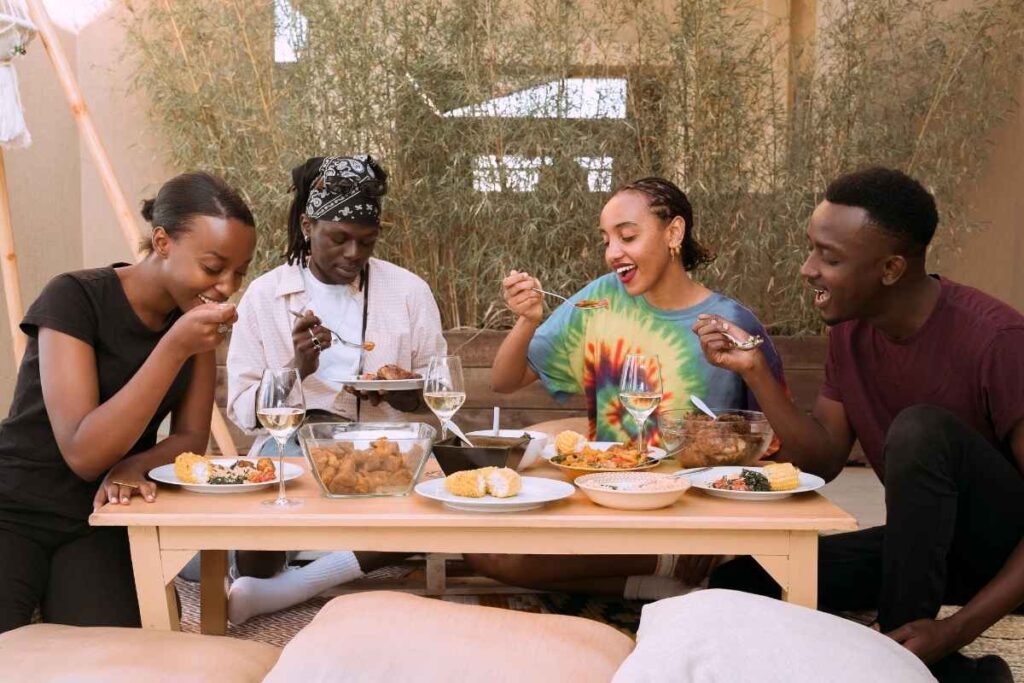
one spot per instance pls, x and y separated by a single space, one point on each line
637 242
851 265
207 262
339 250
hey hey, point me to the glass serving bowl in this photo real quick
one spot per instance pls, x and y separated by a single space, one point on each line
737 437
366 459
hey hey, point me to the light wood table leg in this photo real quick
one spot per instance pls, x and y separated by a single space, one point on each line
802 586
156 601
213 595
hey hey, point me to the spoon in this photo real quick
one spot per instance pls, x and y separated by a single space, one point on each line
703 406
583 304
636 485
365 346
450 424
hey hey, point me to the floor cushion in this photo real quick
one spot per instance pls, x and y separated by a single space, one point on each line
54 653
388 636
723 636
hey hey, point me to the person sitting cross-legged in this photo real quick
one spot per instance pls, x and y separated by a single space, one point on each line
928 375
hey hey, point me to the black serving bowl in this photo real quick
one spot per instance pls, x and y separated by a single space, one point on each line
453 455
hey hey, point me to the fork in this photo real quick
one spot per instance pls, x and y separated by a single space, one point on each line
367 346
585 304
748 345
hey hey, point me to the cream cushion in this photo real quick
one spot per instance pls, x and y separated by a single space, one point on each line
386 636
72 654
720 635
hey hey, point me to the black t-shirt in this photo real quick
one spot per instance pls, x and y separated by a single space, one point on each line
37 487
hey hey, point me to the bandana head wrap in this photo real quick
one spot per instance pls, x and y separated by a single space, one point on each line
347 189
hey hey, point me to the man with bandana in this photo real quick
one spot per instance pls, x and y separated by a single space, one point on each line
330 282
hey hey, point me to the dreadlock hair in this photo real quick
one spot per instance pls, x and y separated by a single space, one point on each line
666 201
303 177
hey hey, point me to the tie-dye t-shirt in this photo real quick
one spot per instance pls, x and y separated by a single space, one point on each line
582 351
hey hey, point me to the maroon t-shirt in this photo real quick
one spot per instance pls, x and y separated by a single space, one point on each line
968 358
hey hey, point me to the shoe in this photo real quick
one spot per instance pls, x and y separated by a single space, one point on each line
959 668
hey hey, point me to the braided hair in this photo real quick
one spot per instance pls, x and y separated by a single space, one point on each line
666 201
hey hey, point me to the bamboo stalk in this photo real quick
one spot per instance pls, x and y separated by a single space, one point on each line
125 217
9 265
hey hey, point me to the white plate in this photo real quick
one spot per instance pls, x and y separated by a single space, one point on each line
652 451
536 492
537 442
165 475
702 481
380 384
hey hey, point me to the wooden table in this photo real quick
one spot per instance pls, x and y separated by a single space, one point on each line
782 535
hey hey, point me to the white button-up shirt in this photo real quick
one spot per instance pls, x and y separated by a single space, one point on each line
403 322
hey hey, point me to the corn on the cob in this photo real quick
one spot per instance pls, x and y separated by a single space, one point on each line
782 476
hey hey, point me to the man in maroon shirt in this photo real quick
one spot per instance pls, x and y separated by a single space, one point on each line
929 376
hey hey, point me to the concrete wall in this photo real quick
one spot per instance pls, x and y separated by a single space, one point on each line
45 191
63 221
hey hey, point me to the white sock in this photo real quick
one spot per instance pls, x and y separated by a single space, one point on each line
249 596
654 588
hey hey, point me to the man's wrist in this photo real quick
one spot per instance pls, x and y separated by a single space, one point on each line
758 370
963 628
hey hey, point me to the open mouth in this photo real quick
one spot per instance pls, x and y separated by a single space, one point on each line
207 300
626 272
821 297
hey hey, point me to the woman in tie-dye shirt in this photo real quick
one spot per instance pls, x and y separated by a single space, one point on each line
647 229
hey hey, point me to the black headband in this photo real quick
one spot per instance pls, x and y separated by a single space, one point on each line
347 189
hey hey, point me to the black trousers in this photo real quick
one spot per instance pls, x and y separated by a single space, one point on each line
954 513
79 579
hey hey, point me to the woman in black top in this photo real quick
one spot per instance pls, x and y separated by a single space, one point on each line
111 352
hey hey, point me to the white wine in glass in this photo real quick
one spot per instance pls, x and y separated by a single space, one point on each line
280 408
444 389
640 391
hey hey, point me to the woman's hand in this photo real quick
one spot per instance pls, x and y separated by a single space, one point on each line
309 340
719 350
520 298
202 328
124 480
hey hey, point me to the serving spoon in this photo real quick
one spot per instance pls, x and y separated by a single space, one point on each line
697 401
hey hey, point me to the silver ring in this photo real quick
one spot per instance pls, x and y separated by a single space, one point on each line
223 328
316 342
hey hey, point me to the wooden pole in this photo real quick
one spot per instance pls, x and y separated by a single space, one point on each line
124 214
9 266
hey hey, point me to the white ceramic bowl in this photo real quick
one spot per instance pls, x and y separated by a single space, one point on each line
594 487
538 440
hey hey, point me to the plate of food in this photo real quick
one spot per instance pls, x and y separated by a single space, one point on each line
571 452
770 482
387 378
494 489
202 474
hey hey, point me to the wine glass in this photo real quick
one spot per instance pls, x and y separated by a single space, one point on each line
640 391
444 389
280 408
